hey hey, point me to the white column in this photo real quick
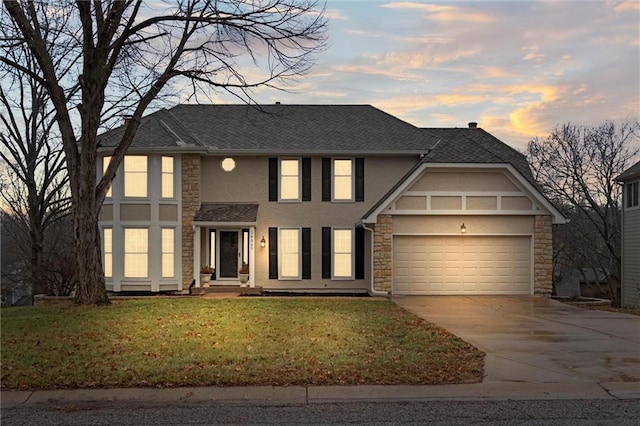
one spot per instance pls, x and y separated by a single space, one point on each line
196 255
252 256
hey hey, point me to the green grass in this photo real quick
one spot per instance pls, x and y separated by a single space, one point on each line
167 342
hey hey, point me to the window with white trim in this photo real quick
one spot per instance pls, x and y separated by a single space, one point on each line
107 244
289 245
290 180
633 194
135 176
136 252
168 252
167 177
105 164
342 179
342 253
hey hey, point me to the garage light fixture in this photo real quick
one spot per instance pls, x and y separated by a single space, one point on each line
463 228
263 242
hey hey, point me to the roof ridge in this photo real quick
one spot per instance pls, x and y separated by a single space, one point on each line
177 123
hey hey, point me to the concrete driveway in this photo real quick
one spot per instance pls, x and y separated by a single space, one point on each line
538 340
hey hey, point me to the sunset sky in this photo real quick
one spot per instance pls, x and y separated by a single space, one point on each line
518 68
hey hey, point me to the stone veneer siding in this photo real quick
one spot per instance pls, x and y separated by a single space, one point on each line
383 254
542 256
190 206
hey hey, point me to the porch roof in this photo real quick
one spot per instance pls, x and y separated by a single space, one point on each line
237 213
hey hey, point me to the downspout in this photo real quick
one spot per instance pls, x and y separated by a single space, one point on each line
372 291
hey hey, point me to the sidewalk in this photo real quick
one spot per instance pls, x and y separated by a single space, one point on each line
296 395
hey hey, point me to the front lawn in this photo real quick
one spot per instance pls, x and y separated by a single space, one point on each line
166 342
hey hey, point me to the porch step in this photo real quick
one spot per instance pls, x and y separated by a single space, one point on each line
250 291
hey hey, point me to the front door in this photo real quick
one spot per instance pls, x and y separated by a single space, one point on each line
228 267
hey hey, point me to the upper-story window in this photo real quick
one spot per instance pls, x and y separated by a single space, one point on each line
290 180
105 164
343 180
167 177
633 194
135 176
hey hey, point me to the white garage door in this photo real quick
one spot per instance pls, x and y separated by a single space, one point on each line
461 265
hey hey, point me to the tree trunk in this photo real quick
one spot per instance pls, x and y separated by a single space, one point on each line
91 288
37 284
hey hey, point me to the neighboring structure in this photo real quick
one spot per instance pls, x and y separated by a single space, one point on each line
630 178
322 198
586 282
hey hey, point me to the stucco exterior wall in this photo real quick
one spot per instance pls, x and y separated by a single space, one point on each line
467 181
248 182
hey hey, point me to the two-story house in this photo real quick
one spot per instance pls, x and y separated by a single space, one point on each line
322 198
630 286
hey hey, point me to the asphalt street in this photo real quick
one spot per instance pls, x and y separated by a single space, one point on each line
497 412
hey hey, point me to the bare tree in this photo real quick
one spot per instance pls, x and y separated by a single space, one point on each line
126 58
34 176
576 166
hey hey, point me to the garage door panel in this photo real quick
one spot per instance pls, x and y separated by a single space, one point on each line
462 265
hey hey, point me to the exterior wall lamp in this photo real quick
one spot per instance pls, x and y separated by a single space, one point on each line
263 242
463 228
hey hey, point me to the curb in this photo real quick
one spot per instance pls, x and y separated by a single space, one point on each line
303 395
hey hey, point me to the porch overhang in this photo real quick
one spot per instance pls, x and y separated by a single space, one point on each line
226 214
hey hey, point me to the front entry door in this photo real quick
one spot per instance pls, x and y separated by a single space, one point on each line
228 254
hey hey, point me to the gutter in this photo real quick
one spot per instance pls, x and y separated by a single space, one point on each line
372 291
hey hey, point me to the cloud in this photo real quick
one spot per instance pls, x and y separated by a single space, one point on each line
444 13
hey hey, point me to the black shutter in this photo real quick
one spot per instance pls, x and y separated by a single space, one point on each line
273 179
306 179
273 253
326 179
360 253
359 179
306 253
326 252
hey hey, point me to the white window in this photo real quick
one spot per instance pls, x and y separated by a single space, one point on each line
105 164
633 194
343 180
136 252
289 243
168 258
167 177
342 253
107 243
135 176
290 180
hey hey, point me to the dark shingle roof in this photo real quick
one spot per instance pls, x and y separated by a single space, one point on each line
227 212
279 128
467 145
274 129
160 129
631 173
